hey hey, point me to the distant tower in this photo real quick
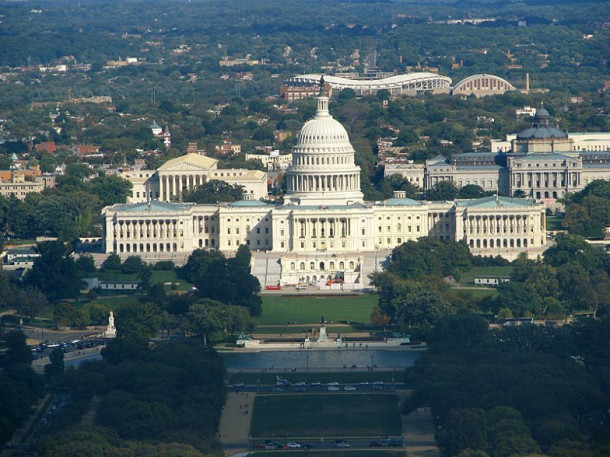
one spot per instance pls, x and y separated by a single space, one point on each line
527 82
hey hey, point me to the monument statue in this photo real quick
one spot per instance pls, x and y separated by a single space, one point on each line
111 329
323 338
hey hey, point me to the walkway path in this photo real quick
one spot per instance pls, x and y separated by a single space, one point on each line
235 420
419 433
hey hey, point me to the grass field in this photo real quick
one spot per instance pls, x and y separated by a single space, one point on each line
553 223
342 377
376 452
300 330
325 415
467 278
301 309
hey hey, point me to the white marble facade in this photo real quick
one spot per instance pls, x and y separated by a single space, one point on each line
324 229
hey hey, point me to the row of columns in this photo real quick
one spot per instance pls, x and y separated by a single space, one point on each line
497 224
543 179
145 229
302 159
324 183
146 247
324 227
173 186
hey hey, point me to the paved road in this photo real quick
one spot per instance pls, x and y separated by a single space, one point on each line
322 388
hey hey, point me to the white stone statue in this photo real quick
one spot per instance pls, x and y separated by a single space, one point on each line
111 329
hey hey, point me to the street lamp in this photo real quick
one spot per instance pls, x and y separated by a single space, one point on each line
307 362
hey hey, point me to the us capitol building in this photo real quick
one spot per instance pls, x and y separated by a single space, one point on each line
324 230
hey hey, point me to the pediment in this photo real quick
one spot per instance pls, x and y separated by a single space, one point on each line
183 166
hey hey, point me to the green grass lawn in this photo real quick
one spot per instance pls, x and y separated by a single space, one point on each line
553 223
344 377
301 309
113 300
325 415
375 452
467 278
300 330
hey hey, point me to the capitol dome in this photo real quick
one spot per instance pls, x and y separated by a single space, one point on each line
323 129
323 171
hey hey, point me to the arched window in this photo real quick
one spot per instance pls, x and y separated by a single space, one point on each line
302 266
292 266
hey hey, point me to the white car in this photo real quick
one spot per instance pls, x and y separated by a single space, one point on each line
316 383
332 383
292 446
342 444
349 388
333 388
300 384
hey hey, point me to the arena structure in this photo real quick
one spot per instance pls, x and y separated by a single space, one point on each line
481 85
406 84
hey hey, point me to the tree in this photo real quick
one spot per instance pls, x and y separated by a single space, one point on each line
138 320
466 429
470 191
210 319
226 280
430 256
54 272
17 352
442 191
132 264
110 189
422 308
85 264
56 367
379 319
112 263
214 191
30 302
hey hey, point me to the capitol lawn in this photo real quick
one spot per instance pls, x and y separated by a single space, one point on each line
309 309
346 416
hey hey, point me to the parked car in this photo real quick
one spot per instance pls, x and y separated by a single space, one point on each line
333 388
292 446
342 443
349 388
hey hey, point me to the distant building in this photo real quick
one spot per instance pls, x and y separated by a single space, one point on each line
272 161
542 162
407 84
20 183
187 172
481 85
163 135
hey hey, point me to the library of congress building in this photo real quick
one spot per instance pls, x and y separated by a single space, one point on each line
324 229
